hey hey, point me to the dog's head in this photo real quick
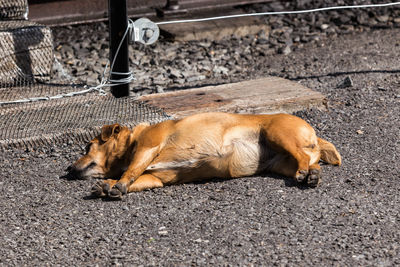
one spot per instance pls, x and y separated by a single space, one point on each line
109 154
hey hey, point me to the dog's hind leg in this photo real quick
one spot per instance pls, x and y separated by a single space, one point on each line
314 175
286 165
292 135
283 164
298 161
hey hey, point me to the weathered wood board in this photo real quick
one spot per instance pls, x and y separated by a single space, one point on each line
266 95
215 29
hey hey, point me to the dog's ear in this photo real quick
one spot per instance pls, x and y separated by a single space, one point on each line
109 130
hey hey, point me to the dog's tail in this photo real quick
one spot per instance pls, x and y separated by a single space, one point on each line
328 151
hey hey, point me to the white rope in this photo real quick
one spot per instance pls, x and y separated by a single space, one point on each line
106 81
278 13
129 74
34 99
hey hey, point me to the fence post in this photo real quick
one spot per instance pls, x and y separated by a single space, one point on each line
118 22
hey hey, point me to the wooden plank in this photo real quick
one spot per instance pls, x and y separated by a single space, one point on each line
266 95
215 29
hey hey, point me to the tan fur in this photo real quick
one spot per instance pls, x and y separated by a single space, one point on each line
203 146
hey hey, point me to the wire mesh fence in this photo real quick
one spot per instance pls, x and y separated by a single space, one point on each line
29 71
63 121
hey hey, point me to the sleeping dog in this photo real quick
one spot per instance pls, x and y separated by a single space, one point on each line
203 146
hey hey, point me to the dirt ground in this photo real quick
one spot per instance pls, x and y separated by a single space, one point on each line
353 218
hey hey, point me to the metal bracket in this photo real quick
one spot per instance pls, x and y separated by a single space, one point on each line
144 31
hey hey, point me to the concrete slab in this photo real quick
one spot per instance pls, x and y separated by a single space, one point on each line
266 95
215 29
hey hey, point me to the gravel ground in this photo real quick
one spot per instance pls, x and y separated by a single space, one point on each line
351 219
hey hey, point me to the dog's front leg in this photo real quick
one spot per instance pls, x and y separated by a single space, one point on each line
143 182
143 157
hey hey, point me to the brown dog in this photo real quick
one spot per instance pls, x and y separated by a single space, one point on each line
203 146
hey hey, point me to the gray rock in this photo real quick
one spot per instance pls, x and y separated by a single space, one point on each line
196 78
220 70
347 82
285 50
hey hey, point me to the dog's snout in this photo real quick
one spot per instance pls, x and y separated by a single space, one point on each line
80 171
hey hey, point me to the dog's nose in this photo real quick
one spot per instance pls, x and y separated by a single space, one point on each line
72 169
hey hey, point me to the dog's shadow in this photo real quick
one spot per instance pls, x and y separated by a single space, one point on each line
289 182
68 176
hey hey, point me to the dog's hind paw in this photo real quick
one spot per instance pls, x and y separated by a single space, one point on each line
117 191
301 176
314 177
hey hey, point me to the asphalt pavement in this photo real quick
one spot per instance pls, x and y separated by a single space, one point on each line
351 219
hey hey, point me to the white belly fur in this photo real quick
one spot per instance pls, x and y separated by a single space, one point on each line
239 154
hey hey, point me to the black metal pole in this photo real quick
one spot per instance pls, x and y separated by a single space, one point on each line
118 22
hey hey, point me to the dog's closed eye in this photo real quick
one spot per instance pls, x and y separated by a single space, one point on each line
91 165
87 148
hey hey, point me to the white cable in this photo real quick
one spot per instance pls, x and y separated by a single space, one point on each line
277 13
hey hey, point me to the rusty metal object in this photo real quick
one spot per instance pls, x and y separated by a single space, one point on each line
83 11
52 12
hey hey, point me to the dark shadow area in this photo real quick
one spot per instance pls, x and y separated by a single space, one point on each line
177 88
52 84
106 199
69 176
22 42
90 197
289 182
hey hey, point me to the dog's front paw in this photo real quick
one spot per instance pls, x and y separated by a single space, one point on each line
102 188
98 189
117 191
